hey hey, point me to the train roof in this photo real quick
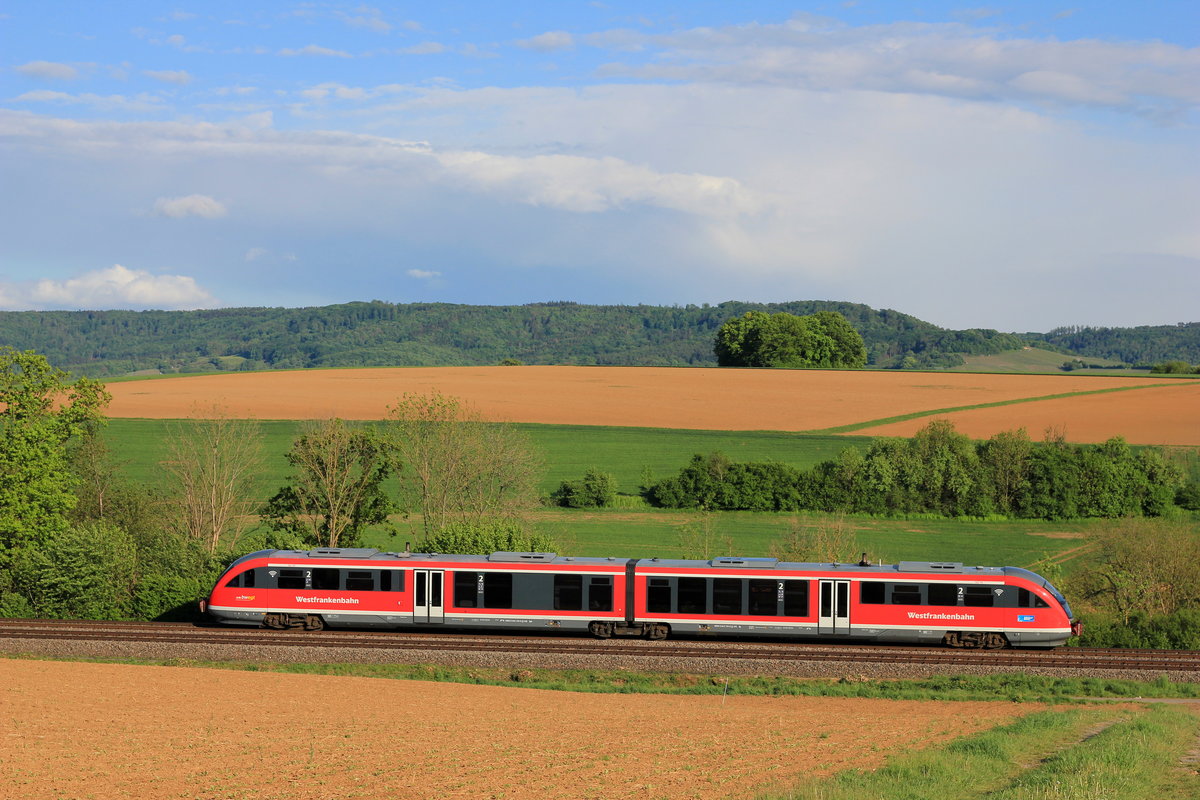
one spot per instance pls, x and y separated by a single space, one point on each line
724 562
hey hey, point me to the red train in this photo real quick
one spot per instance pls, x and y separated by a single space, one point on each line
913 601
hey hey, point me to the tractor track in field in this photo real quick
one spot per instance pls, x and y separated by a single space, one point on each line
516 650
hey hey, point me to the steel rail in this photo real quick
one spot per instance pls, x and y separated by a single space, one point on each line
185 633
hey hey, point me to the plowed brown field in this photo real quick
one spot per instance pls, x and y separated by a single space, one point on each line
114 731
713 399
1166 416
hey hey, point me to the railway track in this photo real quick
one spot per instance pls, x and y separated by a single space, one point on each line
426 642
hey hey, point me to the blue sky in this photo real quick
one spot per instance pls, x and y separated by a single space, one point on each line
1019 165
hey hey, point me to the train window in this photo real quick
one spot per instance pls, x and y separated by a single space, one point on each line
236 581
764 597
568 592
360 581
942 594
906 594
795 598
291 579
328 579
600 594
466 589
978 596
727 595
248 578
871 592
658 595
1027 599
693 595
385 580
497 590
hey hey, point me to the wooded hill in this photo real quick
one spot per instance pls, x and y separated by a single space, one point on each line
110 343
1145 344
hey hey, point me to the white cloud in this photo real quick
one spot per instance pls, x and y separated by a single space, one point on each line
424 49
115 287
951 59
48 70
314 50
255 253
548 42
369 18
114 102
193 205
178 77
423 274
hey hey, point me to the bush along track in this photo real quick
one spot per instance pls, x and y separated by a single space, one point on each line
1080 754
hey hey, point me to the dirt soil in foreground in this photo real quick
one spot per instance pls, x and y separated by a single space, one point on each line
709 399
73 730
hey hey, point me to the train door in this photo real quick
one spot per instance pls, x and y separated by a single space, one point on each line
834 617
427 596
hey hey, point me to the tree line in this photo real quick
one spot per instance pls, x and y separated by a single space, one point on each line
110 343
940 471
79 540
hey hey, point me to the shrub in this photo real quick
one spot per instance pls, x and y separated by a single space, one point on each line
595 490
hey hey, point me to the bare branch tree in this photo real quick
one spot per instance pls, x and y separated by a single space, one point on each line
213 464
459 467
830 540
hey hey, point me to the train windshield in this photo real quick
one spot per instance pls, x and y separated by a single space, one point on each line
1045 584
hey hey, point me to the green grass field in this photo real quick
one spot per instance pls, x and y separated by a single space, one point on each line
566 450
637 530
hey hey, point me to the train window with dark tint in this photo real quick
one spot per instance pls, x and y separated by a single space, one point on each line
795 598
764 597
360 581
497 590
466 589
978 596
658 595
568 592
871 592
943 594
600 594
693 594
727 595
328 579
1027 599
291 579
235 581
385 580
906 594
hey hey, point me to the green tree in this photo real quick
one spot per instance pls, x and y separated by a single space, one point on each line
481 538
40 414
337 488
758 339
849 349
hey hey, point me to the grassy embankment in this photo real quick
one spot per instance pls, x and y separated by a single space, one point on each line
1078 754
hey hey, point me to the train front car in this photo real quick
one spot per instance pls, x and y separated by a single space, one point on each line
918 602
239 597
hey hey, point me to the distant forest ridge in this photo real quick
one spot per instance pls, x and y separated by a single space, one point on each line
367 334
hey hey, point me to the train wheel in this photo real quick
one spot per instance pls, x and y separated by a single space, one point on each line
314 623
658 630
274 621
601 630
994 641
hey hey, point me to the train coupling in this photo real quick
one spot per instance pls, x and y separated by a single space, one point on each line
203 607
